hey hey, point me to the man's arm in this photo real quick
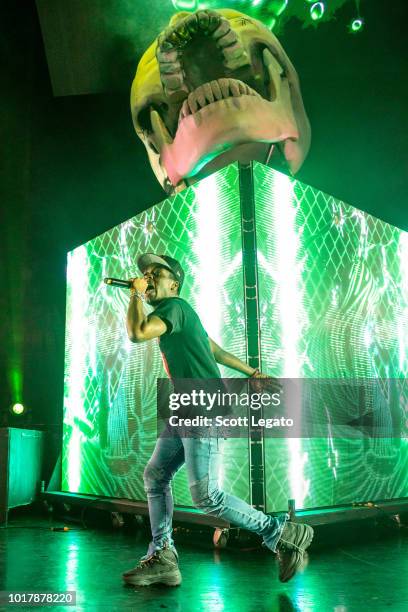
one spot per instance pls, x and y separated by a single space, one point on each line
229 360
141 327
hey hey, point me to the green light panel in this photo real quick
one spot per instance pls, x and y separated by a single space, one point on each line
334 304
110 383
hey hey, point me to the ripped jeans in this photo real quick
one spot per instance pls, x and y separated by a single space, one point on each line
202 456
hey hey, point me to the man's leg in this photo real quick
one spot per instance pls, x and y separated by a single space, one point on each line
203 456
160 564
166 460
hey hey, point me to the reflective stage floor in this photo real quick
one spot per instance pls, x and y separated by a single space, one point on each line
347 576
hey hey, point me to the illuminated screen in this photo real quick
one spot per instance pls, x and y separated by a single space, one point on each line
333 302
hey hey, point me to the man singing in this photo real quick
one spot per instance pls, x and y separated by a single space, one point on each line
188 352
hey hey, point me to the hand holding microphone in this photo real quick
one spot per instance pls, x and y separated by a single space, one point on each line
138 285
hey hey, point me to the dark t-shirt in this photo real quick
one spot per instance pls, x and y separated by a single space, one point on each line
185 346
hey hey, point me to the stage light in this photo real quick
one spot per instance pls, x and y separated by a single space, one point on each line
356 25
317 11
18 409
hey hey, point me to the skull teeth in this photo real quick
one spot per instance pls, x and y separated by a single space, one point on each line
177 37
228 39
213 92
222 29
208 92
167 56
170 68
231 47
173 40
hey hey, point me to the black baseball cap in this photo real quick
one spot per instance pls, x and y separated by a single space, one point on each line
163 260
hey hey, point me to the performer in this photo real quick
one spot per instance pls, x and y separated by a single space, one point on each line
188 352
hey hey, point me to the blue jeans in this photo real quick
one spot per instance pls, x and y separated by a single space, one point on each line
202 456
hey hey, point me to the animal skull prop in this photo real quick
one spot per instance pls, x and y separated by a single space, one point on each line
216 87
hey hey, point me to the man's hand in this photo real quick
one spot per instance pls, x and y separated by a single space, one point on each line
139 284
262 382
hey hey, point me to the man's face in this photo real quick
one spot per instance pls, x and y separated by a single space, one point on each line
160 284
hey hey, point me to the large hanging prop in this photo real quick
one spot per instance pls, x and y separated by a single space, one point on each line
216 87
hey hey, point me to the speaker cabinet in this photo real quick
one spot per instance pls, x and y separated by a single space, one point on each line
21 453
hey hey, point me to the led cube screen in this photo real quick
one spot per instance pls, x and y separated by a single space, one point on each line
333 303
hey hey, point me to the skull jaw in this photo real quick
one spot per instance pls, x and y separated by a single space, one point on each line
243 153
223 127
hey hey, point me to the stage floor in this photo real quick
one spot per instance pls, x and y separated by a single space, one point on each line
369 575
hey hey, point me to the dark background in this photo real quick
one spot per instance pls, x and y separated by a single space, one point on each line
72 166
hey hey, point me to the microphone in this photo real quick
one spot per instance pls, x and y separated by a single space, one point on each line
117 282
